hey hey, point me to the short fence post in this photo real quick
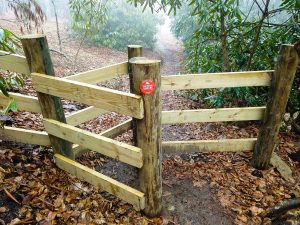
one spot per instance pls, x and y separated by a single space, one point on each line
278 96
149 133
39 61
133 51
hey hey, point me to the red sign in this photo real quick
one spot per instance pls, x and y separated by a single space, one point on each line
147 87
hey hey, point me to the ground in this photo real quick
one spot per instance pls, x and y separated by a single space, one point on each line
215 188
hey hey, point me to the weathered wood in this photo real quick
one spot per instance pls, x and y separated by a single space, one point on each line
122 191
224 145
101 74
84 115
24 102
213 115
118 129
133 51
148 132
39 61
284 170
79 150
101 97
110 133
14 63
126 153
24 136
216 80
278 96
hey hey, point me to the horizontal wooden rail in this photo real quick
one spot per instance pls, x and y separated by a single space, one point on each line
126 153
213 115
24 136
13 62
101 74
100 97
225 145
110 133
216 80
118 129
84 115
24 102
122 191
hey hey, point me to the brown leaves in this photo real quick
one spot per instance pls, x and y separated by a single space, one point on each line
50 196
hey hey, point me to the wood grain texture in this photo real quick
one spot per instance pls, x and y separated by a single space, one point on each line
84 115
278 96
101 74
24 136
133 51
104 183
100 97
224 145
24 102
283 168
13 62
148 131
38 59
118 129
106 146
216 80
110 133
213 115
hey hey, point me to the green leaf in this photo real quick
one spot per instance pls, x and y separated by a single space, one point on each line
11 106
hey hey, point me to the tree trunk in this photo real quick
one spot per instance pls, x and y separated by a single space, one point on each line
226 66
280 88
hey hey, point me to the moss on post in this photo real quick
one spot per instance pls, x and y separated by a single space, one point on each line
39 61
278 96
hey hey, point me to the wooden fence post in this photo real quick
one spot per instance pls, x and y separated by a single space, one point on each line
133 51
278 96
149 133
39 61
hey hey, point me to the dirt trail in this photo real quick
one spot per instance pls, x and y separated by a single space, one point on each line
183 203
169 48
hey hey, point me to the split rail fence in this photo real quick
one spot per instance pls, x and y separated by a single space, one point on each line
69 142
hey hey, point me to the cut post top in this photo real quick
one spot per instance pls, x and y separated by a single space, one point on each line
135 46
33 36
144 60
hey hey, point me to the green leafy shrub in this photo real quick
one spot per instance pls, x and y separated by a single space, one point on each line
124 25
9 42
199 24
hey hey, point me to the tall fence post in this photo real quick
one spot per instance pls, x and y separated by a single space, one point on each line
39 61
278 96
148 131
133 51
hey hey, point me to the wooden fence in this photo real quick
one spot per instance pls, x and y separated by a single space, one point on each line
69 142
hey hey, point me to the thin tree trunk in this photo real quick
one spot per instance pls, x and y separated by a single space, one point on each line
226 66
256 39
57 27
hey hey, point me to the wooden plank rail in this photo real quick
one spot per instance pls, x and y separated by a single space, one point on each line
105 98
24 136
24 102
224 145
110 133
84 115
118 129
101 74
126 153
122 191
213 115
217 80
13 62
